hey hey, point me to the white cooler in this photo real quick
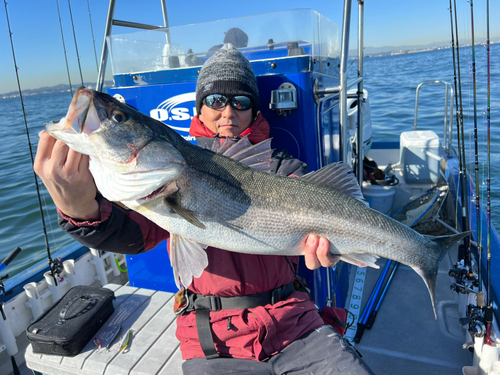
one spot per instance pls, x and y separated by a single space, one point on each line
420 156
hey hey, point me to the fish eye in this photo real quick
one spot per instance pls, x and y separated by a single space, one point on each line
118 116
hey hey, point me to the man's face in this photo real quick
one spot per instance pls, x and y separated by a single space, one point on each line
228 122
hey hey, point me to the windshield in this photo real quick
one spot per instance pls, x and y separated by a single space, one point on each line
300 32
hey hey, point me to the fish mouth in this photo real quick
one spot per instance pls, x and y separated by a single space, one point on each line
82 116
79 110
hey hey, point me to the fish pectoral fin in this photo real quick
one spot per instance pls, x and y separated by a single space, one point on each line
188 259
188 215
360 260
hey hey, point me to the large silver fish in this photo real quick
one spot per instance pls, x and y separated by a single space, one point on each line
202 197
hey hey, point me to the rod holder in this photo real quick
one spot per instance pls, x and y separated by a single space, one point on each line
100 269
114 267
34 300
7 335
56 291
73 277
489 355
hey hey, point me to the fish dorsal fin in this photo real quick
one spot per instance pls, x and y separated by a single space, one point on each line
220 148
338 176
256 156
188 259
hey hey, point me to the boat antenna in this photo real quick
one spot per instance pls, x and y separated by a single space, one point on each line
93 39
76 44
51 262
476 151
463 175
64 48
488 314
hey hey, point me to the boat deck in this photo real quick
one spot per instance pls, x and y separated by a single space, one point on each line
405 338
154 349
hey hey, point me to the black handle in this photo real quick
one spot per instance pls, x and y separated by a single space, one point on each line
371 319
11 256
359 332
71 302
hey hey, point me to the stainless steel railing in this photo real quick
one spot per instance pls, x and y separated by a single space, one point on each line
448 116
109 25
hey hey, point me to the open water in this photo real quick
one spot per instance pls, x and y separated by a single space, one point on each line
390 80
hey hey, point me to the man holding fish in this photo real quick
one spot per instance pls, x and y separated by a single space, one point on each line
280 333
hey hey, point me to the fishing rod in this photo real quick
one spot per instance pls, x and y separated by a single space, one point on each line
373 314
462 271
50 260
462 184
93 39
476 151
371 303
463 175
488 314
76 44
64 48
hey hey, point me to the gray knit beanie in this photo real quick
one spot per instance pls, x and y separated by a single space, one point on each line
230 73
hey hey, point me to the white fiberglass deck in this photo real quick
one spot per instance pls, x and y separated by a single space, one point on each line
154 349
405 338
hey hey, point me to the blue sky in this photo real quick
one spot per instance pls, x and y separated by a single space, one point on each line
40 56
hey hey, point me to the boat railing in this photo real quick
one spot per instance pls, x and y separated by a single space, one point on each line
344 84
448 114
109 25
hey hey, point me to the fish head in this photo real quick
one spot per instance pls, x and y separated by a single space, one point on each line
129 160
100 126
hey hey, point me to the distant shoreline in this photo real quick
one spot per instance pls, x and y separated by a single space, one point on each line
50 90
394 52
416 50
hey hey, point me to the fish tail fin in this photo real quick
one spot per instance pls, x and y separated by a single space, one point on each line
188 259
430 280
441 245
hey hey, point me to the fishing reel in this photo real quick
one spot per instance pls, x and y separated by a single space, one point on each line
2 286
56 268
465 279
4 264
475 321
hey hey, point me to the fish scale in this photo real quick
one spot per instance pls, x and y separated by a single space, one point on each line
207 199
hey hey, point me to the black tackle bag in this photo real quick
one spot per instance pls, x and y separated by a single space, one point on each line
72 322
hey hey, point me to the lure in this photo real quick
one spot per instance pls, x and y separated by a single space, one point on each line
126 340
97 343
114 336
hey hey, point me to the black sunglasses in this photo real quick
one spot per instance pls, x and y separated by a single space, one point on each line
219 101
